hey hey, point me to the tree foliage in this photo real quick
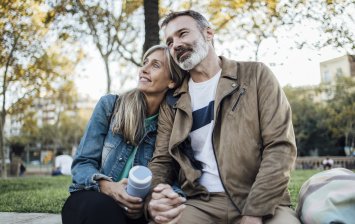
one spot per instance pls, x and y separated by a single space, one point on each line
30 63
324 126
248 24
311 132
341 109
109 25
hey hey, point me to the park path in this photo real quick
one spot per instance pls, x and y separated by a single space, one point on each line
29 218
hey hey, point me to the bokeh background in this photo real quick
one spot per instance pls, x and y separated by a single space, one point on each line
57 57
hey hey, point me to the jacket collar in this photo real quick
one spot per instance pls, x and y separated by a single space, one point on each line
229 68
229 72
152 126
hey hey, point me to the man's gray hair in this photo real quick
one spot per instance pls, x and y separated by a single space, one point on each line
200 19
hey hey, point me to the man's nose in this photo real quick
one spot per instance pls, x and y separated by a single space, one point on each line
177 44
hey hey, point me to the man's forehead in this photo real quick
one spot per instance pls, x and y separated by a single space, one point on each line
179 23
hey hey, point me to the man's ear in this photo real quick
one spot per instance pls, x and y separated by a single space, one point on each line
209 34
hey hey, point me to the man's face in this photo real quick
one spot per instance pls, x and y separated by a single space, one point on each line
186 42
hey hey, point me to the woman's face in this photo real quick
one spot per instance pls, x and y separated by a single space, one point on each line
154 76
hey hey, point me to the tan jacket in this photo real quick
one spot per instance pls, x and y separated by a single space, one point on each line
253 140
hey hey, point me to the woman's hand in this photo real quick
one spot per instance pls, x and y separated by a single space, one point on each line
117 190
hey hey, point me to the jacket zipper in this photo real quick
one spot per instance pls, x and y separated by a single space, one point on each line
242 91
214 151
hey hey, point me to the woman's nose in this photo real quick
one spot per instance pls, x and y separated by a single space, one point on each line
144 69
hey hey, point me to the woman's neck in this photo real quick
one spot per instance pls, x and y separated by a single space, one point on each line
153 104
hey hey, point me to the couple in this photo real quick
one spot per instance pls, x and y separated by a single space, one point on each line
223 134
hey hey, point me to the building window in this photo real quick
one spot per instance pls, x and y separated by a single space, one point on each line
339 72
326 76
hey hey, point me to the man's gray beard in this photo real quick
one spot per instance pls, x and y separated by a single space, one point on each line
200 51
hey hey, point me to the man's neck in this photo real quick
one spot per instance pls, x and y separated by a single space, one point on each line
207 68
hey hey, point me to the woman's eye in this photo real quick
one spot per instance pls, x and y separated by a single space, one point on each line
156 65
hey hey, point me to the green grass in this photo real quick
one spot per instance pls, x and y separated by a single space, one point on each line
298 177
48 194
33 194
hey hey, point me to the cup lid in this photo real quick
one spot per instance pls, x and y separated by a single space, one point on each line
140 174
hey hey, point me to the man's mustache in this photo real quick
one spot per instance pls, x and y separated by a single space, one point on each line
181 50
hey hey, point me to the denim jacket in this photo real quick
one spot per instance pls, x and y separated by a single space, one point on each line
103 154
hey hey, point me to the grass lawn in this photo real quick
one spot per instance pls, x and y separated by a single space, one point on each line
48 194
34 194
298 177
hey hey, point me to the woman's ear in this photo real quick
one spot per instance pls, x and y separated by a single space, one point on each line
171 85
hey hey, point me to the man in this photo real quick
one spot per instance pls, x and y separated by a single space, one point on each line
238 121
327 163
62 164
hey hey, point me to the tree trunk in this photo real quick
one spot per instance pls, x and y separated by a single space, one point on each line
3 154
2 146
3 110
256 55
2 123
151 15
107 67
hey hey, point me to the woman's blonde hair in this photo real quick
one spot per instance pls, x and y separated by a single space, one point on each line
131 107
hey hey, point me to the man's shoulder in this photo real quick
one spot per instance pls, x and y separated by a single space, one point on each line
251 65
230 61
244 68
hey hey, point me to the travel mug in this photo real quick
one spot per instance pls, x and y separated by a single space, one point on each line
139 180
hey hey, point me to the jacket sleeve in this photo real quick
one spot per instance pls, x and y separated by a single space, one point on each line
162 163
279 147
87 161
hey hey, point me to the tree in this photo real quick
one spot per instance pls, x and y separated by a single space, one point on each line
29 66
341 110
246 25
111 29
333 20
250 21
70 130
151 20
308 119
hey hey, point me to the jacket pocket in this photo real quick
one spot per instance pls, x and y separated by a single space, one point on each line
241 93
107 148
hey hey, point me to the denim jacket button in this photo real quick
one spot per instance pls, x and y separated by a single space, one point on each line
128 142
120 159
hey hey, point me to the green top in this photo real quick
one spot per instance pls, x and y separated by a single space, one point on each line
129 163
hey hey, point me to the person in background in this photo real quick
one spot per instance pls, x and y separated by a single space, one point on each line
62 164
327 163
239 124
22 168
120 134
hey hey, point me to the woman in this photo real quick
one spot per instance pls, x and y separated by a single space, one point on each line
120 134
